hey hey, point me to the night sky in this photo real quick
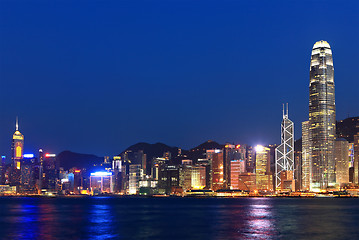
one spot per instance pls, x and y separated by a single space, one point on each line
99 76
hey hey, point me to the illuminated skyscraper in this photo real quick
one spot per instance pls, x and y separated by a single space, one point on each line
50 172
341 147
237 168
322 116
198 177
134 178
231 152
217 171
17 147
356 158
264 179
284 153
306 156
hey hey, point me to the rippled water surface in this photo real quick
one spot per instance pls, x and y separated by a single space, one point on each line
178 218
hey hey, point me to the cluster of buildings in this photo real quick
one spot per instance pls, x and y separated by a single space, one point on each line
326 158
27 173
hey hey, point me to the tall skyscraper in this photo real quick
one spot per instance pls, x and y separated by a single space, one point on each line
134 179
341 147
356 158
322 116
17 147
306 157
50 173
198 177
231 152
284 153
237 167
264 179
217 171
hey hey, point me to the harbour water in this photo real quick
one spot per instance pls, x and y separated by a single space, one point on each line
178 218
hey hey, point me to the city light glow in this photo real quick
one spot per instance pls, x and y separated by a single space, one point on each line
259 148
29 155
101 174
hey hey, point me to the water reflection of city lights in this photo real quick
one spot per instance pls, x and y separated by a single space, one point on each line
260 220
101 222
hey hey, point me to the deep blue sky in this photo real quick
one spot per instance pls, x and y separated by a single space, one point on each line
98 76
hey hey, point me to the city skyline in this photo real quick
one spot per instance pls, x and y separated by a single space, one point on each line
197 79
180 119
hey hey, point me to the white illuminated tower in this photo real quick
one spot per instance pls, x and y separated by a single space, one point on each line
322 117
284 153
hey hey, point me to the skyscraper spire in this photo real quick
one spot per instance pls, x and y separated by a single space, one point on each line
17 124
287 110
283 111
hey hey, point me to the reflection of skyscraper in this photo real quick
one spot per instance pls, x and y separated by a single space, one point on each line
17 147
284 153
322 116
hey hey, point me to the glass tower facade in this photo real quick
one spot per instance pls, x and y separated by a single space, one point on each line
322 116
306 157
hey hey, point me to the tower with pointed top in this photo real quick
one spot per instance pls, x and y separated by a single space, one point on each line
17 147
284 155
322 117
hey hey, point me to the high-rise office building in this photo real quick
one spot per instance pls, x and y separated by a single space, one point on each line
185 176
250 159
341 147
170 178
50 173
217 171
351 154
356 158
306 157
322 116
134 178
237 167
231 152
264 180
284 153
298 166
2 170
